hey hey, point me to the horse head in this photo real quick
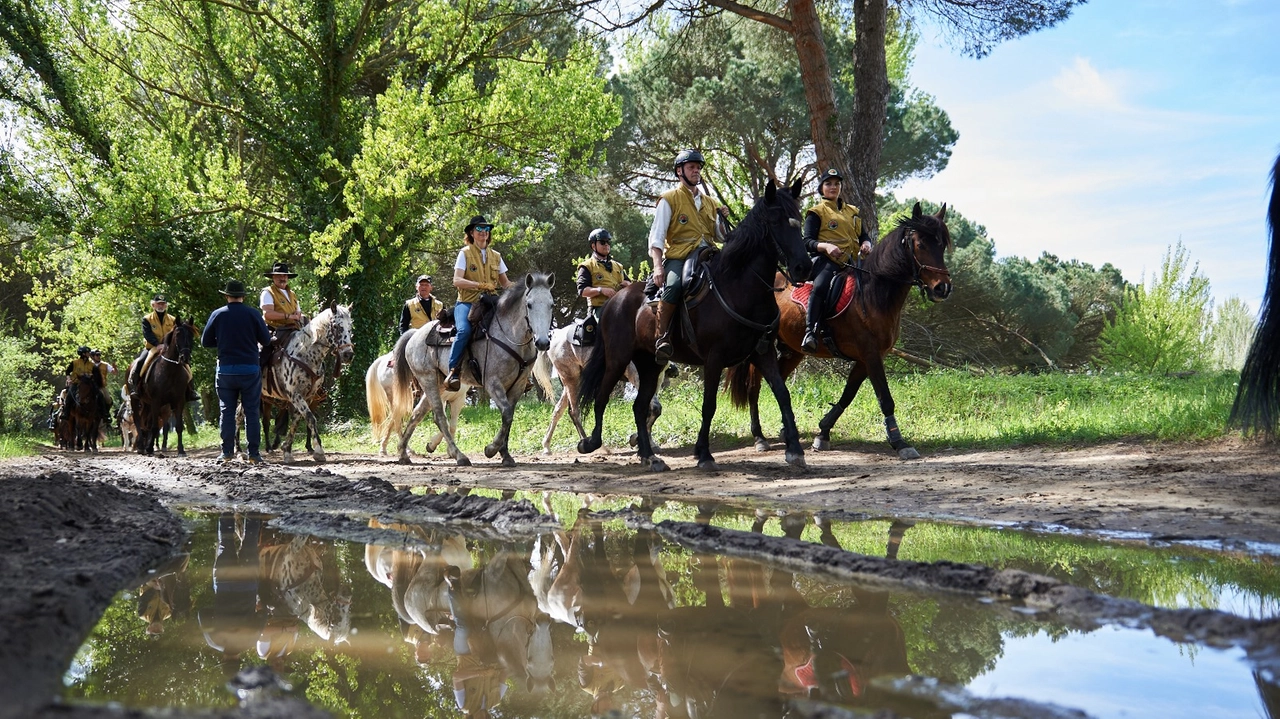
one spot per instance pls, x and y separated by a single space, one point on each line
927 239
774 220
182 338
340 332
539 305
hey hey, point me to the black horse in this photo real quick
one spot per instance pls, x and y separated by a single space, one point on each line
736 321
1257 405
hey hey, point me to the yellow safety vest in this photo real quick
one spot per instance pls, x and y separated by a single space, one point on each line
418 316
600 277
79 367
689 226
286 302
159 327
841 224
479 271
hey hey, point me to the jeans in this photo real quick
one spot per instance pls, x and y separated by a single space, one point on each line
245 390
460 312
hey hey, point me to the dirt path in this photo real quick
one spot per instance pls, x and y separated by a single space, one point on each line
75 530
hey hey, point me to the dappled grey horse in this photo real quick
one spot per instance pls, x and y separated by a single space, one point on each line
378 383
504 355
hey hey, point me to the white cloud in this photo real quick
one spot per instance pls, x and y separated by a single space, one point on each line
1082 85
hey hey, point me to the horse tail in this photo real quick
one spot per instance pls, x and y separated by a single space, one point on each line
376 397
1257 406
402 388
738 380
591 378
542 373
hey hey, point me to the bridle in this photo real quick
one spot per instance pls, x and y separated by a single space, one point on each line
916 279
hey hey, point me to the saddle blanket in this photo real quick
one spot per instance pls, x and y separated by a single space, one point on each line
800 295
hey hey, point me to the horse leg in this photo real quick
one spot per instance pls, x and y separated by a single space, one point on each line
767 363
857 373
875 371
455 410
753 403
301 409
611 376
182 452
561 405
647 373
710 387
507 405
655 411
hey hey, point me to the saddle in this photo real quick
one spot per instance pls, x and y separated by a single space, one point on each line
839 295
584 331
438 335
482 313
280 340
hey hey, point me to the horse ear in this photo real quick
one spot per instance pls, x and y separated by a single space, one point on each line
528 281
916 212
942 214
770 191
797 187
333 306
551 280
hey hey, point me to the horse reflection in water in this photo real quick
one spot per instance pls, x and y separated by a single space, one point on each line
486 614
165 595
300 576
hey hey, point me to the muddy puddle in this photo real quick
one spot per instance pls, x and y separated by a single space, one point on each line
604 618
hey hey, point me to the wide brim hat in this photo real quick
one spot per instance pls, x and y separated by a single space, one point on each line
280 268
476 220
234 288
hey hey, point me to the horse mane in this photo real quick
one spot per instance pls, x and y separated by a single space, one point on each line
746 241
890 259
513 294
1256 409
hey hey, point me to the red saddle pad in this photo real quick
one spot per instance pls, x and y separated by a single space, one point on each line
800 295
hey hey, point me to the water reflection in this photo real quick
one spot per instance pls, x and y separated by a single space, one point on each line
596 618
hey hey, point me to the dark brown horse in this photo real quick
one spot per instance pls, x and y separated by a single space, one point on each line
162 389
912 255
86 410
1257 405
735 322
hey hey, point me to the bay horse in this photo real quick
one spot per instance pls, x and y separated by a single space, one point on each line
162 387
296 373
379 381
568 360
912 255
521 326
1257 406
86 411
734 323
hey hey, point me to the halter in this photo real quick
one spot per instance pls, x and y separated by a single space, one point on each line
916 280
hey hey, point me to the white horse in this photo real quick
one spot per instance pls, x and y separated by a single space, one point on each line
296 373
378 383
568 360
520 327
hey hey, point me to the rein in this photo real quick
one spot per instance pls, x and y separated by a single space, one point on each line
519 358
917 266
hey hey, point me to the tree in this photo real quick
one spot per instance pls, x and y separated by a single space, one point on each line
1160 329
1229 337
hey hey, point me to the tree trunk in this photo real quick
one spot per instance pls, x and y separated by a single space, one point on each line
819 93
870 103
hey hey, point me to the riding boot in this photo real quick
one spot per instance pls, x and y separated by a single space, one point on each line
453 382
135 379
812 317
663 350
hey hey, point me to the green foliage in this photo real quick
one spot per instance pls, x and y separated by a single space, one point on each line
1229 338
24 399
1160 329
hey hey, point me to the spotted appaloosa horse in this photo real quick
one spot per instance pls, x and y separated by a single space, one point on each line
296 373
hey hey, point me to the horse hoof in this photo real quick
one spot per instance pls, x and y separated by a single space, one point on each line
404 459
797 460
546 451
508 461
908 453
821 444
489 451
709 465
463 461
319 458
762 445
180 454
634 439
657 465
586 446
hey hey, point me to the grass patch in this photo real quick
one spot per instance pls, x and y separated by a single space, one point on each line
21 444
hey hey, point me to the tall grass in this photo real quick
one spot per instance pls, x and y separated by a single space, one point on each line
934 410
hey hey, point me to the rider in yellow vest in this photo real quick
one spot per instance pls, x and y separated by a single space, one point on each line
832 230
599 278
102 368
155 326
279 303
421 308
684 219
478 270
79 366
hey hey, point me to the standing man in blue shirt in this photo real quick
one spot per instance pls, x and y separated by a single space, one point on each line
238 331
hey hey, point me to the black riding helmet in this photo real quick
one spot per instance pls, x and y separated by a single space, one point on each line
82 350
690 155
599 234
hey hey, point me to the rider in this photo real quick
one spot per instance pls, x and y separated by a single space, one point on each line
831 228
102 368
155 326
599 278
683 221
280 308
83 365
421 308
478 270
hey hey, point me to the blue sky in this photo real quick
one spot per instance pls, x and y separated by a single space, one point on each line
1129 126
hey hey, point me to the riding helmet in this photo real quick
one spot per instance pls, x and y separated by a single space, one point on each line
82 350
599 234
690 155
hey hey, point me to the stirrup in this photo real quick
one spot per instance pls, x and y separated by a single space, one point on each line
810 341
663 350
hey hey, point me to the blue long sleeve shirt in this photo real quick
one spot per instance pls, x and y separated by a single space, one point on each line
237 331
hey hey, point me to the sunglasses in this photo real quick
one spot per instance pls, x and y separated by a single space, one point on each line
484 228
